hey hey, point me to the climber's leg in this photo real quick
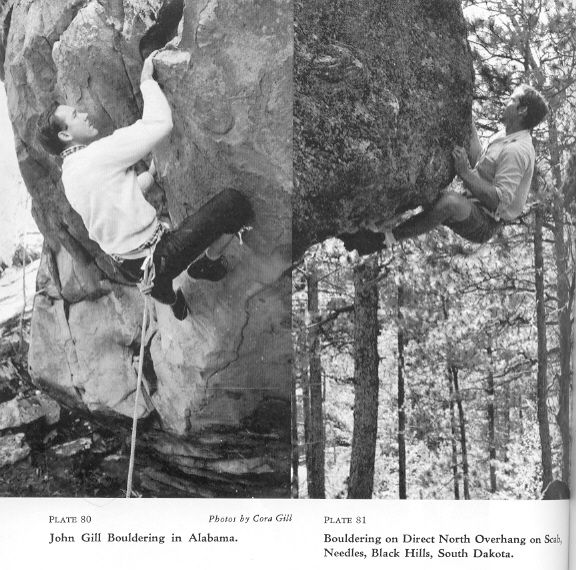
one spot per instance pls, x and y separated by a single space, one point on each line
215 250
450 208
162 291
227 213
478 227
211 265
463 216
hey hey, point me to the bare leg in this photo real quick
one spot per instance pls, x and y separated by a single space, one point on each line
451 207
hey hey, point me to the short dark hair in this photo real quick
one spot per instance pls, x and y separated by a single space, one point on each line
47 128
536 106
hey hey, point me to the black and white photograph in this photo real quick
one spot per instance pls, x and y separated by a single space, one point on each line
255 253
433 222
147 349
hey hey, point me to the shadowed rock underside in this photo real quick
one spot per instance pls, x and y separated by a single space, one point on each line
383 91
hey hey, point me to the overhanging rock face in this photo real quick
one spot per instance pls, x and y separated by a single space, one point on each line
227 76
383 91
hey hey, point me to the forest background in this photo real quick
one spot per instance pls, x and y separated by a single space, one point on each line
442 369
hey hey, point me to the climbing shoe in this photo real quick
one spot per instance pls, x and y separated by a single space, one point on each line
208 269
163 291
179 307
366 242
363 241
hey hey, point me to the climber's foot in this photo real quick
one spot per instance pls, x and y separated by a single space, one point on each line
366 242
163 291
363 241
208 269
179 307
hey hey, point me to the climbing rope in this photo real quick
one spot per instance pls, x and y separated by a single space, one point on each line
145 287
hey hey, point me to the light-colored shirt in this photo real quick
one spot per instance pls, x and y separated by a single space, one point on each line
508 164
102 186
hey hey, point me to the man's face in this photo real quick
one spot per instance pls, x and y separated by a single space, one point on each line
78 128
513 113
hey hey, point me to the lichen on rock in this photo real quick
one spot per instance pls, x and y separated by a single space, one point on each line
383 90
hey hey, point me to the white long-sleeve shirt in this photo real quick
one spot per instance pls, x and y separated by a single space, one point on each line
102 186
508 164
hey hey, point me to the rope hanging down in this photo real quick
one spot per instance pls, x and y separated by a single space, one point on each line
145 287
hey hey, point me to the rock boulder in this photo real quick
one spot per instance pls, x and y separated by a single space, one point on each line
19 412
13 448
383 91
227 76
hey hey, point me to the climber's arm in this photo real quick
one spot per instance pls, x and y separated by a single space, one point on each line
475 149
478 187
126 146
146 178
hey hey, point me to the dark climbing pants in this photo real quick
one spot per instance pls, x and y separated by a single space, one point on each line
225 213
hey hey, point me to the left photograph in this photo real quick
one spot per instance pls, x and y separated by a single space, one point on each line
145 288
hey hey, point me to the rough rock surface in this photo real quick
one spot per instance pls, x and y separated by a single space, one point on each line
227 76
71 448
383 91
13 448
17 412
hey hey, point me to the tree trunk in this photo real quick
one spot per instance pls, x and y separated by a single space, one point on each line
507 423
295 446
308 440
453 429
401 401
317 429
454 437
542 381
365 380
563 301
490 393
463 443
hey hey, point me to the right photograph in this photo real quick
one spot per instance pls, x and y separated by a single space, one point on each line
433 236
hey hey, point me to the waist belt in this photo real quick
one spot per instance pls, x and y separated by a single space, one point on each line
144 250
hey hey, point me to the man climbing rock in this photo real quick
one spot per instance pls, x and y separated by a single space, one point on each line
497 181
102 186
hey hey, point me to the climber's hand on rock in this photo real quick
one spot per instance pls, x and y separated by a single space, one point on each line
148 67
461 164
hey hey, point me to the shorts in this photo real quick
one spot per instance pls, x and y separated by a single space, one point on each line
478 227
